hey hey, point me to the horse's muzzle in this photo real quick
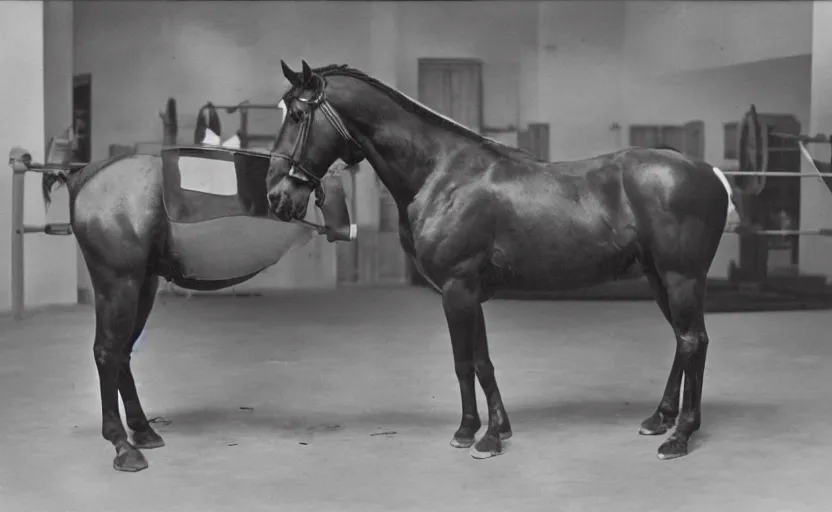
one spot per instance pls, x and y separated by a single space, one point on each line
277 206
284 207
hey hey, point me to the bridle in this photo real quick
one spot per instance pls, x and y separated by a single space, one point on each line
296 169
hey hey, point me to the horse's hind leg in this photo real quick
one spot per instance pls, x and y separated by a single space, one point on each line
143 434
499 427
116 305
665 415
686 296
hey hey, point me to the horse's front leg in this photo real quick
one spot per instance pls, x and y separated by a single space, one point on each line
466 323
461 325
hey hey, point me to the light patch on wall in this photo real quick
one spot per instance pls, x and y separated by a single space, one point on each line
224 68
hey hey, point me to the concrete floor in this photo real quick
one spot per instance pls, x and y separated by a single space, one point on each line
321 372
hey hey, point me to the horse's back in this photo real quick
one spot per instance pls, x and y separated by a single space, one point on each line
593 217
117 212
650 179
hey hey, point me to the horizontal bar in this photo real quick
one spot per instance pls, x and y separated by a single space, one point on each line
62 229
819 138
782 232
250 106
780 174
344 234
35 167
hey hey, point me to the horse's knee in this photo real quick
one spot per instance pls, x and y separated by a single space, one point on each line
106 354
461 295
102 354
692 342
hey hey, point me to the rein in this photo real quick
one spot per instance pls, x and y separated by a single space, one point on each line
296 169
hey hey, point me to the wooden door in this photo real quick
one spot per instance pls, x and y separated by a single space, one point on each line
453 87
82 117
694 139
535 140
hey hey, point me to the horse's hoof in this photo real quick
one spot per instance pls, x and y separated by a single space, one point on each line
647 431
147 439
461 442
130 460
673 448
656 425
464 435
487 447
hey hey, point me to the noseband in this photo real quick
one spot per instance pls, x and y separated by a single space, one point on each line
296 169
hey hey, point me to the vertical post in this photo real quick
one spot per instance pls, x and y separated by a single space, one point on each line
244 142
18 297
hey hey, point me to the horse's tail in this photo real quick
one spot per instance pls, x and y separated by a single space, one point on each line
50 178
735 197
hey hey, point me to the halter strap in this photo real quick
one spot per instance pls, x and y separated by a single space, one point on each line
296 169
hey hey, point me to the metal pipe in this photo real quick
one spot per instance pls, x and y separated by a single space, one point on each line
819 138
252 106
35 167
782 232
780 174
61 228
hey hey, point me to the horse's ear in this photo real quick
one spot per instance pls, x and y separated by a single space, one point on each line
307 72
291 76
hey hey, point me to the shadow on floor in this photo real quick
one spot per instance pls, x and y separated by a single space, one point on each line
567 415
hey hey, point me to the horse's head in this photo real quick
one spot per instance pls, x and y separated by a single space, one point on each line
311 139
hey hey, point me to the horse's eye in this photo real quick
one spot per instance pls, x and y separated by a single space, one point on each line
296 115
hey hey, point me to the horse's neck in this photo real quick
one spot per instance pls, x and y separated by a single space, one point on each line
404 154
400 145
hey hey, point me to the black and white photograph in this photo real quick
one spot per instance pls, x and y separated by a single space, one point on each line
440 256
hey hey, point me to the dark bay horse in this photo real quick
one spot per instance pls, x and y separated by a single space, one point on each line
477 216
120 221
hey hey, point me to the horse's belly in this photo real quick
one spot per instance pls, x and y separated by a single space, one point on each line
556 276
567 260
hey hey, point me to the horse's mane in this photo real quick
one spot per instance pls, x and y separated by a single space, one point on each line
414 107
